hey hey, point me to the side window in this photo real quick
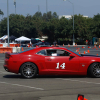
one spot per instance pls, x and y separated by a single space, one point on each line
42 52
51 52
57 52
62 53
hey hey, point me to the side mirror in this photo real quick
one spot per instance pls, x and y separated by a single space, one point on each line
71 55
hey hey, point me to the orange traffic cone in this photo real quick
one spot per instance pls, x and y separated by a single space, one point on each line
81 97
89 47
79 53
99 45
68 45
88 51
77 50
94 46
83 47
63 44
84 52
22 49
28 45
76 44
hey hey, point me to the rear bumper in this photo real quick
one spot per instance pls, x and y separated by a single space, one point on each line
5 67
10 70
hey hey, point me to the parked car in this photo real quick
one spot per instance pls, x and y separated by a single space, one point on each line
41 43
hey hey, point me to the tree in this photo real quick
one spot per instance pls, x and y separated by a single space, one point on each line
3 26
16 25
96 25
38 14
47 16
1 12
82 28
44 16
49 25
54 15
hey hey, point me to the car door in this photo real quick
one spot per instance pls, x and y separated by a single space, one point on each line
61 62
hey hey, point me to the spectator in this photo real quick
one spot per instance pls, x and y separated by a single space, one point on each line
86 42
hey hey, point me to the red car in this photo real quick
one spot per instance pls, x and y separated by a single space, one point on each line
51 61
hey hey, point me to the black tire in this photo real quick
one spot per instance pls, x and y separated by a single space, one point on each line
28 70
94 70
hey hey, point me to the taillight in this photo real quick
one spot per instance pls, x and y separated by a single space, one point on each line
7 55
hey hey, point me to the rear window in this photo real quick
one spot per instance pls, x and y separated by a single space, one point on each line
42 52
26 50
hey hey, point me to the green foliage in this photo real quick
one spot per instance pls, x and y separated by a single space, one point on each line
1 12
49 25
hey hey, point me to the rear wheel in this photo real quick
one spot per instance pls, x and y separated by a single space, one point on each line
28 70
94 70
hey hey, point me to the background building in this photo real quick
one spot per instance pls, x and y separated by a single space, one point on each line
69 16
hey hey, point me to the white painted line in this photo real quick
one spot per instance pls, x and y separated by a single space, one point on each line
4 72
1 62
22 86
81 81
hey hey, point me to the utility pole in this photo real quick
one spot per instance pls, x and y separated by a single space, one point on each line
46 6
8 21
73 19
15 5
38 8
46 9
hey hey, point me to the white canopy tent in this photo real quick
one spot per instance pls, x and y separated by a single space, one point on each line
3 38
23 38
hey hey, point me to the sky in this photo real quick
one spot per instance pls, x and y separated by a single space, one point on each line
23 7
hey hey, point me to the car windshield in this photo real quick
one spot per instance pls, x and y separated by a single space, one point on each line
74 52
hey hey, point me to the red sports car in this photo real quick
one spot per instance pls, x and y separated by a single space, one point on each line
51 61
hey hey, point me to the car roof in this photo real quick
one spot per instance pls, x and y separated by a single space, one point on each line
51 47
36 49
42 48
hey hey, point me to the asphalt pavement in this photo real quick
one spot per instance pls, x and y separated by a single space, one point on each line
14 87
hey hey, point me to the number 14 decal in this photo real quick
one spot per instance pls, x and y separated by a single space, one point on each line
62 66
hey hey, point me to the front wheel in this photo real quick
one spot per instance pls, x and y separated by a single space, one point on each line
28 70
94 70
